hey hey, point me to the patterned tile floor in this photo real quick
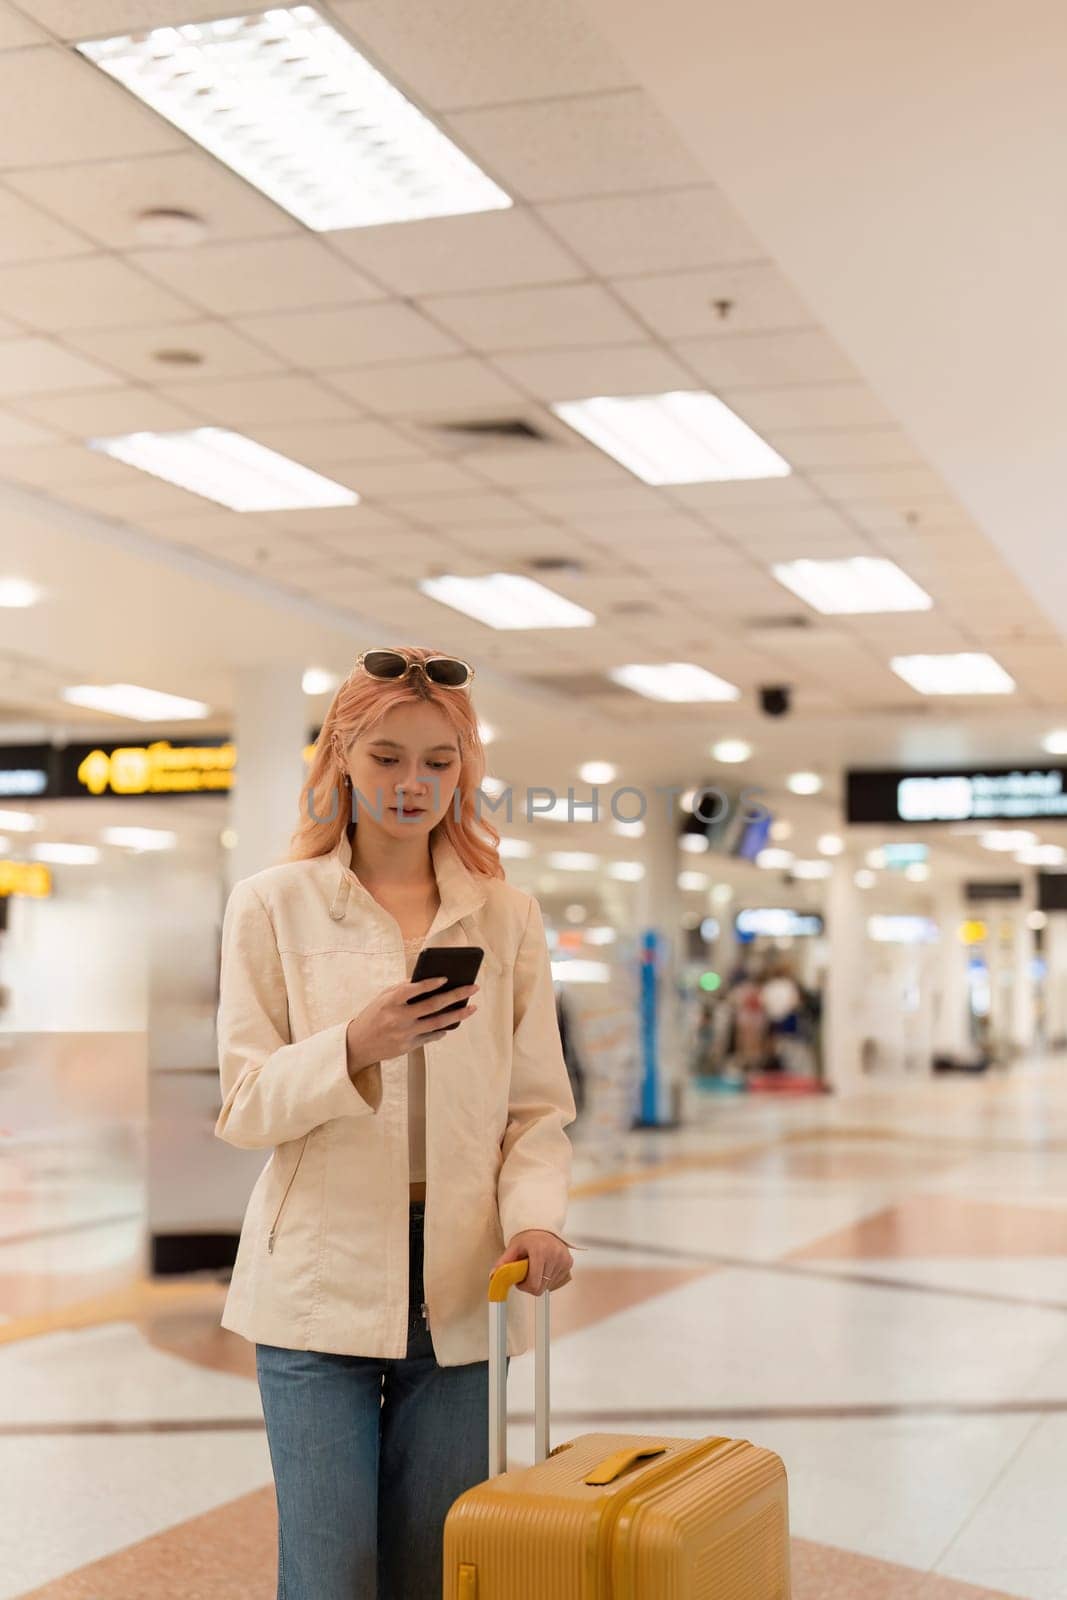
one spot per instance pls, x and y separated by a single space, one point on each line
874 1286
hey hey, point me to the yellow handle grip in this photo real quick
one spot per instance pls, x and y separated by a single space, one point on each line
506 1277
614 1466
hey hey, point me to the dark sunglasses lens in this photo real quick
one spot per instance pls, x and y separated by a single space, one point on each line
385 664
453 674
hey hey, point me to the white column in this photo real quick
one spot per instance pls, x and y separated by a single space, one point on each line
271 729
659 906
950 1025
1022 1011
842 1007
1056 978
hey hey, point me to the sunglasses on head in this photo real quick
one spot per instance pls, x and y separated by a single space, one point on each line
447 671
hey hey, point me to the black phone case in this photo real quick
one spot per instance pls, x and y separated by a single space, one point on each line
458 963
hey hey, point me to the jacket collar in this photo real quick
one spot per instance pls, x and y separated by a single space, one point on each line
461 892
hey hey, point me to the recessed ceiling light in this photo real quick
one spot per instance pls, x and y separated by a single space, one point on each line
1008 839
291 106
852 586
600 935
227 468
781 829
865 878
731 750
676 681
1041 855
18 592
512 849
628 830
18 821
917 871
66 855
317 680
969 672
131 700
140 838
696 844
597 772
803 783
492 786
507 600
1056 742
486 732
626 871
685 436
830 844
573 860
693 880
773 860
877 857
812 869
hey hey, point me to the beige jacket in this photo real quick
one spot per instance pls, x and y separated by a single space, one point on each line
322 1262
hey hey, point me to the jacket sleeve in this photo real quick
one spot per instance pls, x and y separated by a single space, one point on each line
534 1176
273 1090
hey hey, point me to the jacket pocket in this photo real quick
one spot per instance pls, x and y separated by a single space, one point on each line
285 1194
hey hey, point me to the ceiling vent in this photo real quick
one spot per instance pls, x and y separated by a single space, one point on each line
791 622
489 430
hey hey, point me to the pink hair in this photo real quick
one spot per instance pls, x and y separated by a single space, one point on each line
359 705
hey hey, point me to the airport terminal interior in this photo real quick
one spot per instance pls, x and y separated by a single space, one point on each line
695 375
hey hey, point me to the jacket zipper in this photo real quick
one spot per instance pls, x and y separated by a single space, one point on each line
285 1196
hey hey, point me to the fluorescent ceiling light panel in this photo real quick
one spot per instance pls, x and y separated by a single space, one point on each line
854 586
317 680
1056 742
573 860
228 468
811 869
66 855
626 871
18 592
288 103
140 838
803 783
1042 855
685 436
972 672
511 849
18 821
674 680
731 750
507 600
130 700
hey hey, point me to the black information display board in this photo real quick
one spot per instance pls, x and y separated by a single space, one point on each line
991 794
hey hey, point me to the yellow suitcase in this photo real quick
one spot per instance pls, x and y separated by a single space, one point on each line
613 1516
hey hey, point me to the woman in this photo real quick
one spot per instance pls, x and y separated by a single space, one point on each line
387 1130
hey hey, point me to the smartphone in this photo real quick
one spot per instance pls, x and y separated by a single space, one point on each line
458 963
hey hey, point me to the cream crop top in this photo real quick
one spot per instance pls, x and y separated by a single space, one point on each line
416 1086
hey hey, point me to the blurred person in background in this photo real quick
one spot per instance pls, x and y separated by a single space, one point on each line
411 1157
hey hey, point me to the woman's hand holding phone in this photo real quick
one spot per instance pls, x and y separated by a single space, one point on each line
390 1026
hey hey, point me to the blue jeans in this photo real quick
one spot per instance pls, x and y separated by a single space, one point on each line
368 1455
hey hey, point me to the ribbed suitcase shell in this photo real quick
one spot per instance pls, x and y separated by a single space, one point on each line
701 1519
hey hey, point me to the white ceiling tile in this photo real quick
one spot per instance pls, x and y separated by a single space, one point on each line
411 478
387 331
819 405
17 30
27 234
86 292
92 19
774 547
677 305
15 433
240 402
207 529
9 330
54 465
224 353
336 522
37 366
258 275
458 386
460 511
897 485
547 464
764 360
925 515
663 232
606 369
535 319
844 447
922 632
655 529
103 412
130 502
489 52
58 107
104 198
322 444
622 499
749 524
745 494
486 250
593 144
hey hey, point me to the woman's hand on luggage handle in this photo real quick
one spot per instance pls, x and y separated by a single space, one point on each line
550 1260
388 1026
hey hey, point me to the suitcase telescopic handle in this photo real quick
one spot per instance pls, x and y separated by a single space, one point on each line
501 1283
